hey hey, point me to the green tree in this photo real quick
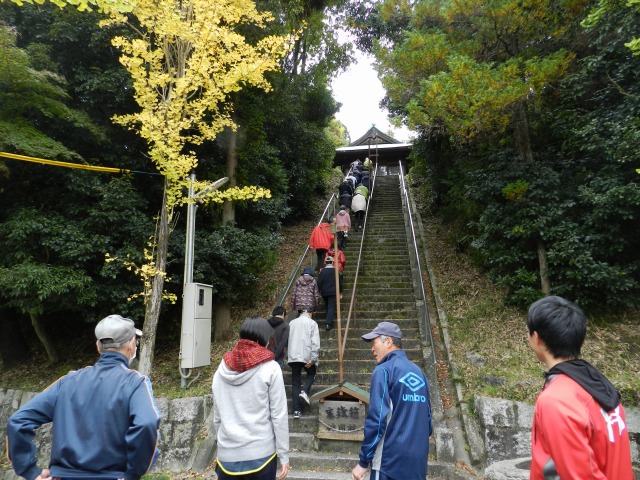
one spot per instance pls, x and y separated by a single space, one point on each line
33 105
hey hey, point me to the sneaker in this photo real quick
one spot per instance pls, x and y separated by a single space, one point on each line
305 397
327 327
297 414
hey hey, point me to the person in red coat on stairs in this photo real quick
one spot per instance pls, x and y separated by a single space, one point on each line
321 240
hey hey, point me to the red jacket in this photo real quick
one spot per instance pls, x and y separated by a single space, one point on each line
341 259
573 438
321 237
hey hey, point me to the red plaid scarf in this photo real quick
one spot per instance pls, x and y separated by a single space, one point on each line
247 354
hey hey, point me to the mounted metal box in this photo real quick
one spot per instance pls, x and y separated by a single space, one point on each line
197 312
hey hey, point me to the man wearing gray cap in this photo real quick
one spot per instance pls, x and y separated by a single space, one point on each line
399 412
105 420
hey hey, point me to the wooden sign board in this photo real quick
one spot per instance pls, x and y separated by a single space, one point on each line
341 420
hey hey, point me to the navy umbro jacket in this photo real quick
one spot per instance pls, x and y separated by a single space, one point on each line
398 424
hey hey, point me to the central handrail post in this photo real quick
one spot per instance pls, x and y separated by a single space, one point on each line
336 267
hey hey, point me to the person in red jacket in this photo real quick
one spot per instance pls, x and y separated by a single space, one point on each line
579 426
338 262
321 240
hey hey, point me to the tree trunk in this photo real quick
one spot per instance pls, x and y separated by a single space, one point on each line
545 282
228 210
295 57
44 338
13 347
154 302
222 311
303 65
521 133
222 314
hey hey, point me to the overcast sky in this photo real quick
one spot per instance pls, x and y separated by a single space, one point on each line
359 91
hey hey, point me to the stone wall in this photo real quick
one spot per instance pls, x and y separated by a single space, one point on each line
506 427
188 440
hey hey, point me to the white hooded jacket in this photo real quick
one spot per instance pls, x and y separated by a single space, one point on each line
250 414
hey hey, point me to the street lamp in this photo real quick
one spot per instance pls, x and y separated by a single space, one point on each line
195 337
191 222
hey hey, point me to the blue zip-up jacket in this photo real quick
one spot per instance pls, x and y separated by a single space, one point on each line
398 423
105 424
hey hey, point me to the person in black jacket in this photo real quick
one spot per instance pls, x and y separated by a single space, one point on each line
345 187
280 338
327 287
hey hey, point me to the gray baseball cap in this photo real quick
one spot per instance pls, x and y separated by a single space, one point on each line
383 328
115 330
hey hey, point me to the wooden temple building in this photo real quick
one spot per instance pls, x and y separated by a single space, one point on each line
377 146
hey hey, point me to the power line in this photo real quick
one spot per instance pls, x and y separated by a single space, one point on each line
57 163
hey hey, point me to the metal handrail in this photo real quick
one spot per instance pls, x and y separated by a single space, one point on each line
294 274
355 278
415 246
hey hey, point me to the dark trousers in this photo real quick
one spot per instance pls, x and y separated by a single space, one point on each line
269 472
296 382
359 219
330 302
342 240
320 253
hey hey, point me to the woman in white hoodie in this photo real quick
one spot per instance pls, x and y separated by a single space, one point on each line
250 414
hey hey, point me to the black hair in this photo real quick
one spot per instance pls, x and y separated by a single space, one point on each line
279 310
560 324
257 330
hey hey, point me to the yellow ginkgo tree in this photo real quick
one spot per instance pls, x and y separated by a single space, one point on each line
186 58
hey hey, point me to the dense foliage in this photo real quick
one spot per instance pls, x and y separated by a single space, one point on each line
60 85
530 138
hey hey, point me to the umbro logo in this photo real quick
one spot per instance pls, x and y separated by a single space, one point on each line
412 381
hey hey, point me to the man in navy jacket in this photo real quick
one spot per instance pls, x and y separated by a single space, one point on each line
398 423
105 420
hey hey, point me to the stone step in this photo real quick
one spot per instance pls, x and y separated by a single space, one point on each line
376 292
379 315
383 263
331 353
325 462
406 305
302 442
382 280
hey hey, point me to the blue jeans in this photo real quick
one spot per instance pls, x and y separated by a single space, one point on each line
296 382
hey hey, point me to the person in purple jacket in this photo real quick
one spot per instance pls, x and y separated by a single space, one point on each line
105 420
399 412
305 291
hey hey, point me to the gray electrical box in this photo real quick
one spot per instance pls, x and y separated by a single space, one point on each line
195 340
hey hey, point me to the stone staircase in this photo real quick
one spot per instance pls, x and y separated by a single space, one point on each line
385 292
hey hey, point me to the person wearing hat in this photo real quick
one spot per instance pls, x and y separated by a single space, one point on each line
399 412
359 207
304 349
343 225
305 291
105 420
327 287
339 261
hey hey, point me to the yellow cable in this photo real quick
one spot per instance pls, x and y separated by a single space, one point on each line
63 164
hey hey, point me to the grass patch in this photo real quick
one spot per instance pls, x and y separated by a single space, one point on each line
479 323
